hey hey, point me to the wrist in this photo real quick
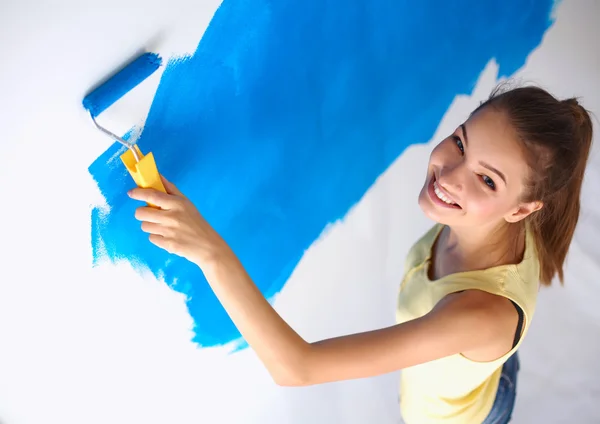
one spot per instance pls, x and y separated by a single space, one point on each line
214 257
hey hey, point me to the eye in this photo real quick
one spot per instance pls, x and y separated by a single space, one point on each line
489 182
459 143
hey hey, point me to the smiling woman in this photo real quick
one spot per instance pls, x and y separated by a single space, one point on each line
441 191
479 175
471 283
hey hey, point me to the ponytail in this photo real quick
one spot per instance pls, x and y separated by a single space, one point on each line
557 137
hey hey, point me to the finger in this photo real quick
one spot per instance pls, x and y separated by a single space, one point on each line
170 187
149 214
154 197
160 241
153 228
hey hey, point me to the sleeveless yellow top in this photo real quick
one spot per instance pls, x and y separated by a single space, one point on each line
454 389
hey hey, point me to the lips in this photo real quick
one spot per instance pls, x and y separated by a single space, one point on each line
440 196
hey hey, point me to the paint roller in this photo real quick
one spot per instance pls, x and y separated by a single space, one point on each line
142 168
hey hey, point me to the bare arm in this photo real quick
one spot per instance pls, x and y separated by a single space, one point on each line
470 321
461 322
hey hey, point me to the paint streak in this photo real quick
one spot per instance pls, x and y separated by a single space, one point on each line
288 112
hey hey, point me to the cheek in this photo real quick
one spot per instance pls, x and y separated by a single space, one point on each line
485 206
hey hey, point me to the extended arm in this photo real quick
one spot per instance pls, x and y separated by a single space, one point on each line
461 322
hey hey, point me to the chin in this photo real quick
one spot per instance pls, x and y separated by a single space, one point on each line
436 217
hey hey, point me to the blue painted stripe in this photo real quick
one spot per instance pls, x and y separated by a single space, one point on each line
288 112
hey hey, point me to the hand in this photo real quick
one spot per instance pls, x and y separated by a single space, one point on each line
176 226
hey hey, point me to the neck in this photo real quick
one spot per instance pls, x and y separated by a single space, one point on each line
485 247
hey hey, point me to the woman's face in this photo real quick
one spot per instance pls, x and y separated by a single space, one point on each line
476 176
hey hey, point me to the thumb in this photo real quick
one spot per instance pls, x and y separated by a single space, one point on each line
170 187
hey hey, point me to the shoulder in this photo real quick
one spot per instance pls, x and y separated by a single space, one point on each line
476 303
487 320
493 291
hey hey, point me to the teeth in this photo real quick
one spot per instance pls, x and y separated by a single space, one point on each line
441 195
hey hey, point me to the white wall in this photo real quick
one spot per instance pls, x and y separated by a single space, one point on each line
106 345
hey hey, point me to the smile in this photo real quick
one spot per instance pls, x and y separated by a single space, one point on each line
439 196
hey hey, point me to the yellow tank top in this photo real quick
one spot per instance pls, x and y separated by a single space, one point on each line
454 389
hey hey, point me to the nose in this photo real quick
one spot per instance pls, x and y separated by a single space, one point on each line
451 179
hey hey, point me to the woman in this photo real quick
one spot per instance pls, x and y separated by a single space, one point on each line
504 190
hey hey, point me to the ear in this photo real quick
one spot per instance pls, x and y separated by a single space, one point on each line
523 211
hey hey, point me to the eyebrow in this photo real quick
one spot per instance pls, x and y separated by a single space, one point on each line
485 165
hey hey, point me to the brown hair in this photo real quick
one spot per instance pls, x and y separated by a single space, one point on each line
556 137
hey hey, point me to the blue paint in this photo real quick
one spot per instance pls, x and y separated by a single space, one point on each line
288 112
121 82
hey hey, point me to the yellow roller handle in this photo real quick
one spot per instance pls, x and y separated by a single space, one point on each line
144 173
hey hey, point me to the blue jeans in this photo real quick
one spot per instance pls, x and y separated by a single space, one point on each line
507 391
